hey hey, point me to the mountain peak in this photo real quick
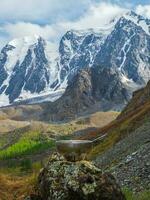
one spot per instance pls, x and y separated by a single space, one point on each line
138 20
26 40
133 14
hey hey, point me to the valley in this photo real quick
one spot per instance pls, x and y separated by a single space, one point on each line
95 82
26 146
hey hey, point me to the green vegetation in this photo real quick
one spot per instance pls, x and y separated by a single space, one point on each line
119 129
3 141
145 195
30 143
23 168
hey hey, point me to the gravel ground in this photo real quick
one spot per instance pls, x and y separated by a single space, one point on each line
134 171
129 159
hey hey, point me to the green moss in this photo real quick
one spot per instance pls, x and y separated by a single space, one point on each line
144 195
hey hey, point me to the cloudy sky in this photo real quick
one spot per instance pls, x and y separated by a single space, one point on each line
52 18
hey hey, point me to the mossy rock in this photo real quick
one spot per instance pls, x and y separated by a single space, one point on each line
63 180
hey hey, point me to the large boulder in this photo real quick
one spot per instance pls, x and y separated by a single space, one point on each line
64 180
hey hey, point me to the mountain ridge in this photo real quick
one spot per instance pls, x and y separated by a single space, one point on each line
122 45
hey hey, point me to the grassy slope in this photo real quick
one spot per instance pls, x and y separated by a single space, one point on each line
118 129
29 144
98 119
7 125
134 115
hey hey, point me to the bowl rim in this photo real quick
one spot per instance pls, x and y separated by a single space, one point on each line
73 141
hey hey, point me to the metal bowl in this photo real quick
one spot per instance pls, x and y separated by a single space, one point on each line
74 150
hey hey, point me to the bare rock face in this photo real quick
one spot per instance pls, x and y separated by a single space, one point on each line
63 180
88 91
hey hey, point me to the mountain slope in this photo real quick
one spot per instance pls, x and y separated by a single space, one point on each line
140 99
126 150
27 68
32 68
77 98
134 117
90 90
127 50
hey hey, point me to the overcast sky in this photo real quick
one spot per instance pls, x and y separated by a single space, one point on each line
52 18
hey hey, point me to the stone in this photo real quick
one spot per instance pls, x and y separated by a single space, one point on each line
61 179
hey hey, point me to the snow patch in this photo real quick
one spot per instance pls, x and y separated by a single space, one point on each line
138 20
4 100
50 96
126 50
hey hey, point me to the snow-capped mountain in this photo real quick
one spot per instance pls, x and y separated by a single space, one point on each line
31 67
28 67
123 45
127 49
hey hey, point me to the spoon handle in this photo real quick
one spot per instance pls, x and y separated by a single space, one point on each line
99 138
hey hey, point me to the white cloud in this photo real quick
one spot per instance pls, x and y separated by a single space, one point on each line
37 10
22 29
96 16
143 10
67 15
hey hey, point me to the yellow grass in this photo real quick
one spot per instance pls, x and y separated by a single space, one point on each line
7 125
100 119
16 188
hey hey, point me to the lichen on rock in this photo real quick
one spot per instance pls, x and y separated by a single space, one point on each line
64 180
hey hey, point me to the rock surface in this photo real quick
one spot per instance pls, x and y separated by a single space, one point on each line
89 91
65 180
